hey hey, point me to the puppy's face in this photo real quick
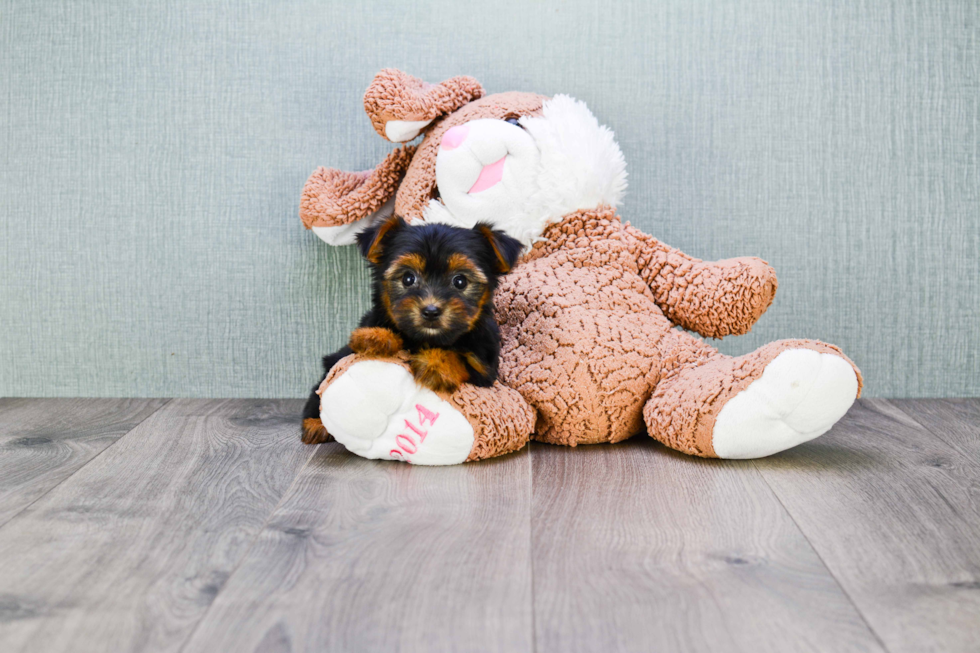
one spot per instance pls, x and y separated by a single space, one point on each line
435 281
435 296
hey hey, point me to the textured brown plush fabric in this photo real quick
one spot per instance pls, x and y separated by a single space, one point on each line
394 95
715 299
587 340
332 198
420 179
502 421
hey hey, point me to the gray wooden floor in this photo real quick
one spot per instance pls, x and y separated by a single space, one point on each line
204 525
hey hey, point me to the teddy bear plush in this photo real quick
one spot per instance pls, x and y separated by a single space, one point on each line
596 319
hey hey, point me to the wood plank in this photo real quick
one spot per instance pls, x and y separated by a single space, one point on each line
639 548
44 441
895 514
377 556
954 421
128 553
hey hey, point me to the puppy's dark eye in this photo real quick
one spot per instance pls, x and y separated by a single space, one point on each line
460 282
408 279
515 122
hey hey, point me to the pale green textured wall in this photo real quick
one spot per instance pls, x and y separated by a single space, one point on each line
152 155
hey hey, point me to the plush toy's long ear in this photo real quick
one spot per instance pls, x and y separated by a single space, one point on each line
371 241
401 106
506 250
336 204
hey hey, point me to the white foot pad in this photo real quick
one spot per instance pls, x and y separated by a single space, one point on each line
800 395
376 410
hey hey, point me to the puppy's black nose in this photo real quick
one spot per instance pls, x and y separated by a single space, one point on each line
431 312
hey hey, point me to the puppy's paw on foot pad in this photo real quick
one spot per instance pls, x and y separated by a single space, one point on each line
376 410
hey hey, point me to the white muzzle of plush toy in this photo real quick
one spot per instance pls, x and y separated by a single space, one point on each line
487 170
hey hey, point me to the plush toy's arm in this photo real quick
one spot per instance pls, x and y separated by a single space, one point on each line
711 298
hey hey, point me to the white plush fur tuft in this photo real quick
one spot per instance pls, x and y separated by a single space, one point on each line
581 167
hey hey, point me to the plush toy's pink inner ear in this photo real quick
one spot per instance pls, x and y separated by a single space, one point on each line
401 106
333 198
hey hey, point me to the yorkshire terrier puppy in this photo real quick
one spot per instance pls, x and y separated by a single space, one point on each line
432 295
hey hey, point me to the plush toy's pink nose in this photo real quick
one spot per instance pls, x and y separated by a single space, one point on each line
454 137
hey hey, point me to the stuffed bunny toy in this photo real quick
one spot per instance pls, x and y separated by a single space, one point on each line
596 317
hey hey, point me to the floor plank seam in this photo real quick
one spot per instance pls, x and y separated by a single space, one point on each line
248 551
166 402
820 557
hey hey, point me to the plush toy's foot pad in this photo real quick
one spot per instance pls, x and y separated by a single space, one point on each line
800 395
376 410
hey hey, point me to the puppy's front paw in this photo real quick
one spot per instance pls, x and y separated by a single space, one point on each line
438 369
375 341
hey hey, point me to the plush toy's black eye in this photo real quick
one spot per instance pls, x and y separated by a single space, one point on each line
515 122
459 282
408 279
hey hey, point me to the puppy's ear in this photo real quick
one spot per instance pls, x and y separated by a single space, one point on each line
371 241
506 250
